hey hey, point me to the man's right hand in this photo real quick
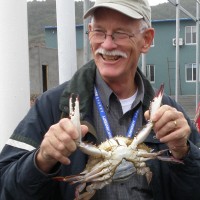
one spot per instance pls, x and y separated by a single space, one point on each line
58 144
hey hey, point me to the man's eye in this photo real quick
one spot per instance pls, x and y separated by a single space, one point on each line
98 30
120 33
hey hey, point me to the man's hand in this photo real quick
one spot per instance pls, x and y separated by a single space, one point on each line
58 144
171 127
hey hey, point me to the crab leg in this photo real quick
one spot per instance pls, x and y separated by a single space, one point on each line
144 156
143 134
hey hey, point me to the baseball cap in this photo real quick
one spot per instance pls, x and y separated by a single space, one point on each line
137 9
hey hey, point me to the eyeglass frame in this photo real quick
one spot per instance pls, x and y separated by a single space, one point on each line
129 36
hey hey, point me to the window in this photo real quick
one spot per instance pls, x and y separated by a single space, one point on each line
150 73
190 72
190 35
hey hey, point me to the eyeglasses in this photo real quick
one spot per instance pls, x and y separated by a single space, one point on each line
99 36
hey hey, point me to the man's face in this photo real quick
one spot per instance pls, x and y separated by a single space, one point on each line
115 58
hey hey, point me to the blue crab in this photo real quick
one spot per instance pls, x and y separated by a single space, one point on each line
115 159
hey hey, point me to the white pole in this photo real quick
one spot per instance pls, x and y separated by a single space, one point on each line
66 39
14 67
177 49
86 46
144 63
197 54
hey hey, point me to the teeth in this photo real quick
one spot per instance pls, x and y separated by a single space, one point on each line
110 57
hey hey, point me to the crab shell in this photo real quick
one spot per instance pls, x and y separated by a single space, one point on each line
124 169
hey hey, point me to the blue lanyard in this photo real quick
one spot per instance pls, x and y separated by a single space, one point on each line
105 120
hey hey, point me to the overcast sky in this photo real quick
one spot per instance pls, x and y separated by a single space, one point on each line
155 2
152 2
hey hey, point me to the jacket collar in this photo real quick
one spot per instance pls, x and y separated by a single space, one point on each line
82 84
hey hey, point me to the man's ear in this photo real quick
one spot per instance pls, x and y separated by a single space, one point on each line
89 26
148 36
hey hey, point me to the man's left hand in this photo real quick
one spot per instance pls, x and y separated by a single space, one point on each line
171 127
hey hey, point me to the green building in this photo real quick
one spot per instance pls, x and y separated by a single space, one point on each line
161 59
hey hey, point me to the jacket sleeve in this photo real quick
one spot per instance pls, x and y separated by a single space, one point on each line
185 178
20 178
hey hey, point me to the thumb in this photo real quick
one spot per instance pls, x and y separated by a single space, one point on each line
147 115
84 130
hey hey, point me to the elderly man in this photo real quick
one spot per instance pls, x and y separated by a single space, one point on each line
44 143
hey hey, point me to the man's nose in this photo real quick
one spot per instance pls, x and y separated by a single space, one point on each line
109 43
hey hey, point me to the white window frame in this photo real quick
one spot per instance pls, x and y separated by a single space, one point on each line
191 66
148 72
192 32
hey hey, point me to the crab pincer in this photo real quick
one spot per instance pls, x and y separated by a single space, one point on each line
74 114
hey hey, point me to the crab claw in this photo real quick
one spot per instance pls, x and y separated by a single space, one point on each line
144 132
154 106
156 102
75 114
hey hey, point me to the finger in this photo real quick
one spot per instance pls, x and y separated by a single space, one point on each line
50 154
146 115
67 125
56 155
172 136
166 129
178 135
162 112
65 144
60 140
84 130
166 118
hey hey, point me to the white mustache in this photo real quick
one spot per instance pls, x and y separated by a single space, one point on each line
110 53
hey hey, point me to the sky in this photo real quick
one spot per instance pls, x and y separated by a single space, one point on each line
155 2
152 2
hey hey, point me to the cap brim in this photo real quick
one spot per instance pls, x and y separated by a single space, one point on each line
120 8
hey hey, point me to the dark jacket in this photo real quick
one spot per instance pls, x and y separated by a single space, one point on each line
20 178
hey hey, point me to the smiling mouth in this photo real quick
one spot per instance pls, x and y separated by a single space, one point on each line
110 58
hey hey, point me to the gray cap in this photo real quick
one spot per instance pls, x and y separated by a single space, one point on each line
137 9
